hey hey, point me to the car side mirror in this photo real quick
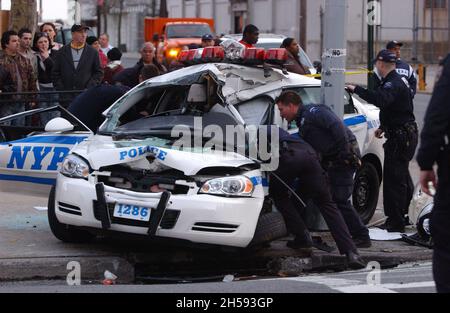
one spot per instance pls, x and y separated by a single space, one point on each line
58 124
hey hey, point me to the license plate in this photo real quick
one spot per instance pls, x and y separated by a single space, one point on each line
132 212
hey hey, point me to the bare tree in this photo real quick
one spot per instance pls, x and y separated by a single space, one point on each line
23 14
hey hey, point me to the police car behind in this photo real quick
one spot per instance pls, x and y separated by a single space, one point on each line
130 178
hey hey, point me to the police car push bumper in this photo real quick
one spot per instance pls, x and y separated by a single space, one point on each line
198 218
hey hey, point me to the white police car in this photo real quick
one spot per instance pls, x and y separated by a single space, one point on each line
133 177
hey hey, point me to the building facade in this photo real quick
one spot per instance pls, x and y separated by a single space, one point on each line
423 25
129 14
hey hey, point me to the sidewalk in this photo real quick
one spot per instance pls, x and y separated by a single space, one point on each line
29 251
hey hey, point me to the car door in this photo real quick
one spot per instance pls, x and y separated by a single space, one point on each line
30 156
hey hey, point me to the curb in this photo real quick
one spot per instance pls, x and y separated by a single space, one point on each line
91 268
177 264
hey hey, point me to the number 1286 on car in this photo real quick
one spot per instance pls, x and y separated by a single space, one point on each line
132 212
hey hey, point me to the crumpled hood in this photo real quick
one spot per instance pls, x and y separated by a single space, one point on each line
107 153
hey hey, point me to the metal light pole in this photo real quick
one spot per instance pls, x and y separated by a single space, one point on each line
334 55
370 43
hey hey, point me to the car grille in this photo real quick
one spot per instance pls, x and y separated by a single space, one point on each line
69 209
142 181
215 228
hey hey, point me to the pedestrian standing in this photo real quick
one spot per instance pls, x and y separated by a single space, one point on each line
94 43
398 125
21 73
50 29
104 43
293 63
434 148
250 36
25 48
298 160
130 76
158 42
114 65
77 65
327 134
44 54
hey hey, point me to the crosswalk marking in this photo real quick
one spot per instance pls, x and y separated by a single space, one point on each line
356 281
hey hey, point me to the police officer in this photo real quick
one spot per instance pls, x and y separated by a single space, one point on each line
394 99
402 68
435 148
326 133
298 160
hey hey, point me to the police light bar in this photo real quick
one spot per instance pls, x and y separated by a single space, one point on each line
254 56
213 54
187 56
276 56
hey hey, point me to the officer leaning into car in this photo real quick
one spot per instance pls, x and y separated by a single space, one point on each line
298 160
327 134
435 148
398 125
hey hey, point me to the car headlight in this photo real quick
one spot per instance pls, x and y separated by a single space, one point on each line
235 186
75 167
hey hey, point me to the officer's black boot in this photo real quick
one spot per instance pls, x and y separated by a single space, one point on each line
355 261
362 242
303 242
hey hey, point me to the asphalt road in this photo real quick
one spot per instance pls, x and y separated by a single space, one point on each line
409 278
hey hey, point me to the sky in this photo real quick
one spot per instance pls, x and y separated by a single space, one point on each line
53 9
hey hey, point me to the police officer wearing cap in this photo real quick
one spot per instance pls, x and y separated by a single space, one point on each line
298 160
398 125
327 134
435 148
402 68
208 41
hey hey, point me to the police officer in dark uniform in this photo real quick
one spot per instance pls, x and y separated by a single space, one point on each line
298 160
435 148
398 125
327 134
402 68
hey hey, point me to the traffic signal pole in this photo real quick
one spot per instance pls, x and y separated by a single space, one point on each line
334 55
370 45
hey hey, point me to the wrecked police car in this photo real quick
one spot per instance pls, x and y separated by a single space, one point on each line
134 176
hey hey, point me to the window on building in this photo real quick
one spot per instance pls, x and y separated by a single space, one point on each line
436 4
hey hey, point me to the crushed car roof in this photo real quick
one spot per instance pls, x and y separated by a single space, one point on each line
240 83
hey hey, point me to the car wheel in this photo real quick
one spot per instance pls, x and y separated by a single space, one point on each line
366 191
423 223
63 232
270 226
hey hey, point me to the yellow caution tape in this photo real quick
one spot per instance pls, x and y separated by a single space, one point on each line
346 73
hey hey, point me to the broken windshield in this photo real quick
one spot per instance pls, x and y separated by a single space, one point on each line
158 96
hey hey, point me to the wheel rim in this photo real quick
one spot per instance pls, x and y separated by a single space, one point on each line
362 194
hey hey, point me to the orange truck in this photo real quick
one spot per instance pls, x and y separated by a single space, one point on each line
177 33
